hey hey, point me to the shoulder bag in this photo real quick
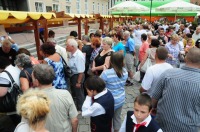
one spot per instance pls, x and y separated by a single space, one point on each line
147 64
66 68
9 101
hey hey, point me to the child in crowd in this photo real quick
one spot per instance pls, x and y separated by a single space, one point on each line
140 120
99 105
188 45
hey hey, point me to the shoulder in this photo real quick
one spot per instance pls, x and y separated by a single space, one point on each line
154 125
22 127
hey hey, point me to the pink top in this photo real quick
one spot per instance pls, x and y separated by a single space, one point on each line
143 50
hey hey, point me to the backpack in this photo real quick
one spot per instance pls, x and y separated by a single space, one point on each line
8 102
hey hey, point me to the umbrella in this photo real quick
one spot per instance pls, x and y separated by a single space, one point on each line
128 6
178 6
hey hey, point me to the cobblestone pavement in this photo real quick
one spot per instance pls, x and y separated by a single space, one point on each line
131 93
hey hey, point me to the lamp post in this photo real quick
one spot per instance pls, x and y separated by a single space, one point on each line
150 10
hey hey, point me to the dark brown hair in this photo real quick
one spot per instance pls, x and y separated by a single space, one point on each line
95 83
144 99
117 63
48 48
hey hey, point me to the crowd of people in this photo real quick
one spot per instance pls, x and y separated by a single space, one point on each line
166 56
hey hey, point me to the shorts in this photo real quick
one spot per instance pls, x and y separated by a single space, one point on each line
129 62
117 118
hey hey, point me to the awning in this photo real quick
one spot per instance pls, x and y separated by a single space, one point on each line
12 17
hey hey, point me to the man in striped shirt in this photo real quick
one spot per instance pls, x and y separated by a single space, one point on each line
177 96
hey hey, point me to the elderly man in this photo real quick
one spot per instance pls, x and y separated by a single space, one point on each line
77 65
153 73
176 96
63 113
129 58
196 34
7 51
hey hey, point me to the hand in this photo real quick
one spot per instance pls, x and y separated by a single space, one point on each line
90 93
170 56
93 69
153 111
78 85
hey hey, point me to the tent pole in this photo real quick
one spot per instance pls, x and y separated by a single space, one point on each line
150 10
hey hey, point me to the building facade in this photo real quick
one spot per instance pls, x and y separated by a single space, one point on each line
69 6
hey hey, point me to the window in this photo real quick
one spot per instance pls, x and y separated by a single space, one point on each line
98 7
48 8
93 6
106 10
55 7
68 9
86 6
102 9
78 7
39 7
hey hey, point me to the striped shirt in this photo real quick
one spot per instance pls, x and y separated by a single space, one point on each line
178 95
115 85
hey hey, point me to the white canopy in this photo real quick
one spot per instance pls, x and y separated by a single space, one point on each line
178 6
128 6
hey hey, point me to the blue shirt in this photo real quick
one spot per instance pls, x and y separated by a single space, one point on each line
130 45
115 85
59 80
119 47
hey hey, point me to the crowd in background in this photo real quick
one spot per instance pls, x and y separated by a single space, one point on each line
101 65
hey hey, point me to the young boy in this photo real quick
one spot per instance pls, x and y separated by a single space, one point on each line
140 120
99 105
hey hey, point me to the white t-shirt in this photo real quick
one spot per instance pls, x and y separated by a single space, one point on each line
14 73
152 75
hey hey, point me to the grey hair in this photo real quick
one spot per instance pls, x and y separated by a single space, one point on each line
72 42
23 60
149 33
86 38
6 43
127 33
193 56
44 73
107 40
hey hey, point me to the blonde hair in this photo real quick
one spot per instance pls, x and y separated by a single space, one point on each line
174 36
33 105
107 40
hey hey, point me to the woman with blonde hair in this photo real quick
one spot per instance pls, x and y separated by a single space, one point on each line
33 106
102 60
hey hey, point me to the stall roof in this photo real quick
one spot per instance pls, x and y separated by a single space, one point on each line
12 17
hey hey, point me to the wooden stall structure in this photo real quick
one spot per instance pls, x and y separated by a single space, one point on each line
16 21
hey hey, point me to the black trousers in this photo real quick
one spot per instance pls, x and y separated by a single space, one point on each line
77 93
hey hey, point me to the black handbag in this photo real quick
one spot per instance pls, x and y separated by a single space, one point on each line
9 101
66 68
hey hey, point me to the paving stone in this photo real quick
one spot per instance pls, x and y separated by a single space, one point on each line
84 128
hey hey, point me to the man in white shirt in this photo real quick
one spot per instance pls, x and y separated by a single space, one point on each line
196 34
77 65
154 72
